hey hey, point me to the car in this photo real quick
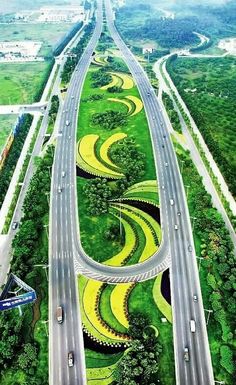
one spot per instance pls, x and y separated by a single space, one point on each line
176 227
59 189
178 213
172 201
148 94
164 136
69 137
75 108
14 225
190 248
72 97
63 174
162 187
70 359
153 117
166 164
195 297
67 122
186 354
162 146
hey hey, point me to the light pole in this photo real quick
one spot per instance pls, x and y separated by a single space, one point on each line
219 382
46 329
199 265
194 218
47 194
209 311
46 227
187 187
120 221
45 267
181 168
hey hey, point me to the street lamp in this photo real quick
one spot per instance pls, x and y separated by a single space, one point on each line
219 382
46 329
46 227
194 218
200 260
182 165
209 311
187 187
45 267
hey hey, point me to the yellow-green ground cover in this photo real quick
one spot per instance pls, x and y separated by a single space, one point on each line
6 124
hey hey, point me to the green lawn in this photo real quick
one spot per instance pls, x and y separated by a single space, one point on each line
6 124
21 81
100 360
141 301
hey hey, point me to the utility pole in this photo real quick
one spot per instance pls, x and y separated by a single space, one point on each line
209 311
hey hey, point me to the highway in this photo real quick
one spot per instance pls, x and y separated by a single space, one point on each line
66 249
67 336
183 271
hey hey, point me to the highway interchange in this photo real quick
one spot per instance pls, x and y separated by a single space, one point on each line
66 249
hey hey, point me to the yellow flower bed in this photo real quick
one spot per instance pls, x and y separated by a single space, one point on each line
123 101
114 82
90 304
160 301
107 144
118 302
84 166
138 104
130 240
127 81
137 215
88 155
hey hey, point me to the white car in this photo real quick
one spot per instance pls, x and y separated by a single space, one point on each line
176 227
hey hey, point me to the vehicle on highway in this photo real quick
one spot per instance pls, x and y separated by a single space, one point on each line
71 359
195 298
153 117
186 354
192 326
176 227
162 187
166 164
63 174
172 202
59 189
69 137
59 314
179 213
72 97
190 248
14 225
148 93
67 123
164 136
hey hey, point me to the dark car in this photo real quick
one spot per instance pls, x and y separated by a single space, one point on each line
14 225
70 359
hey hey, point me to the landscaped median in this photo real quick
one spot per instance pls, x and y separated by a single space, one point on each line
119 225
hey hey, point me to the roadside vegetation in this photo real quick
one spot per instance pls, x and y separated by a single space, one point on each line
10 163
208 89
217 271
6 125
23 339
172 113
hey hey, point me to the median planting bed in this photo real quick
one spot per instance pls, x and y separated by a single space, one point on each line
119 218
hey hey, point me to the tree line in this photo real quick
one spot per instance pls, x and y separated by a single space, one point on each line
10 163
19 351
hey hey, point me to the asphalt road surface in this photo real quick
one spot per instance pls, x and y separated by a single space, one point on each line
65 242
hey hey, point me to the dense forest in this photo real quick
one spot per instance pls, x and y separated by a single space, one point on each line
208 86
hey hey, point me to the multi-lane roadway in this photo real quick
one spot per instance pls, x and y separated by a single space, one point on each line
65 246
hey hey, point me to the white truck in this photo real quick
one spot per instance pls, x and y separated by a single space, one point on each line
192 326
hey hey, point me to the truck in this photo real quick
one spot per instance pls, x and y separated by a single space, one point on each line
186 354
59 314
71 359
192 326
67 123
